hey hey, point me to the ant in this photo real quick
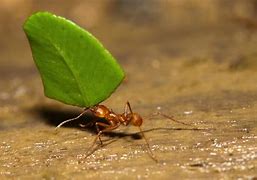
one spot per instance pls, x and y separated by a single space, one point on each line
113 121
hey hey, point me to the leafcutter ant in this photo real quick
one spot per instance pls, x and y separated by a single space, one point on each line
113 121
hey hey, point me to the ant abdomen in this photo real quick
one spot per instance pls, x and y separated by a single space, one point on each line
100 111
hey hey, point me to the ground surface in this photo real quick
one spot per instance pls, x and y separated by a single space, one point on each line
204 75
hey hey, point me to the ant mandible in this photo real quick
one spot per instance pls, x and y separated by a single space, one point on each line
113 121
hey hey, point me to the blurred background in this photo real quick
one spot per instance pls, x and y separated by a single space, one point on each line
138 28
144 35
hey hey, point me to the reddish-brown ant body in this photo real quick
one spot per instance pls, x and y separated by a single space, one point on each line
114 120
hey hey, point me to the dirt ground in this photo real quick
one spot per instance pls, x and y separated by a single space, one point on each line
191 60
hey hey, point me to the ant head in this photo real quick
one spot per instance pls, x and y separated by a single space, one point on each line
136 119
100 111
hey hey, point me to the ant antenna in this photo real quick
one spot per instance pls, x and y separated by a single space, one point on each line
72 119
148 146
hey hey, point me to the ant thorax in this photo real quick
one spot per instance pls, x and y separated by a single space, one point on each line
102 111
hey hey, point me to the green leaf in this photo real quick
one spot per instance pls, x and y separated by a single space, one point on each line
75 68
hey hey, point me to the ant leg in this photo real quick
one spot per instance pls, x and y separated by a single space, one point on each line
128 107
171 118
108 128
127 111
98 124
72 119
88 124
148 146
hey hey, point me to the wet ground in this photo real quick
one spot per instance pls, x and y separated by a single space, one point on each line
204 76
